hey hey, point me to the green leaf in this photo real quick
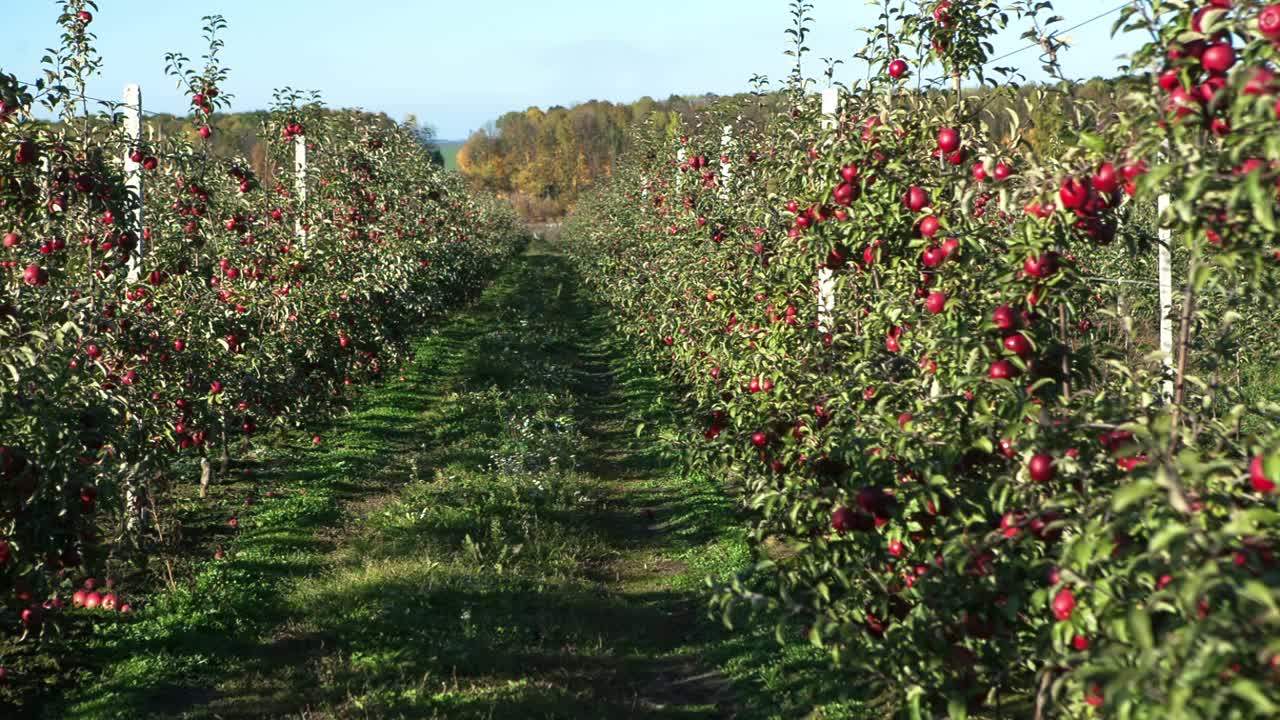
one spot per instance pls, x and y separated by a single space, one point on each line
1263 211
1248 690
1140 625
957 709
1093 142
1166 535
1129 495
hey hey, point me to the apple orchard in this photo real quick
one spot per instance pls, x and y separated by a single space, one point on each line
136 357
911 335
905 342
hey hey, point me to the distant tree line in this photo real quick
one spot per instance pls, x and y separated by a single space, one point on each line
542 161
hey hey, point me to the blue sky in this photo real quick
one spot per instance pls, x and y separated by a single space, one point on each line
458 65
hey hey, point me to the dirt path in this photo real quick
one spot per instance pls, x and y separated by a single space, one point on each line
487 538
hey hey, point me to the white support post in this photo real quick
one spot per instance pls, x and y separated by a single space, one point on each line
300 173
133 171
726 171
133 511
826 277
681 156
1166 296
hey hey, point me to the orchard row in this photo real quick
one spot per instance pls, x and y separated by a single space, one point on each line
131 356
909 343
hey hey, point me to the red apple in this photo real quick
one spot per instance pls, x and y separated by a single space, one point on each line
1017 344
1219 58
948 140
930 226
916 199
1258 477
1041 468
1063 604
1269 22
1002 370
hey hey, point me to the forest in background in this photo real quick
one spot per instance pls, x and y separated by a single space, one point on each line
543 161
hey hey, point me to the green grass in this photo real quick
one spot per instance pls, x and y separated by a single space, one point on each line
487 537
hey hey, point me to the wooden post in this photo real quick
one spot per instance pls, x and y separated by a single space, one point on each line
133 171
1166 295
826 277
300 181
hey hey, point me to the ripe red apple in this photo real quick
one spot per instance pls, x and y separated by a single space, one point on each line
930 226
36 276
1018 344
1074 193
1258 477
980 172
843 520
948 140
1105 180
916 199
1041 267
1002 171
92 600
32 617
85 17
1093 696
1219 58
1063 604
933 256
759 439
109 601
845 194
1269 22
1080 643
12 239
1002 370
897 69
896 548
1041 468
206 132
936 303
26 153
77 598
316 440
1005 318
